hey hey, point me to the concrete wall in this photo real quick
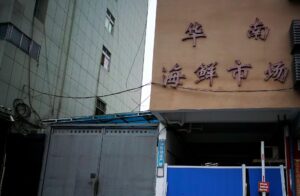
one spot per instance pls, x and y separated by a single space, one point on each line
225 23
69 64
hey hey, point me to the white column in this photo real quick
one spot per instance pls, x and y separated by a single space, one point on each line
263 169
244 180
161 181
282 180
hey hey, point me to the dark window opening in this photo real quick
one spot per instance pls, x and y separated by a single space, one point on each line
100 107
109 21
40 10
225 144
15 36
3 31
105 58
25 43
34 50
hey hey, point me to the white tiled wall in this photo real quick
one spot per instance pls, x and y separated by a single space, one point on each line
76 50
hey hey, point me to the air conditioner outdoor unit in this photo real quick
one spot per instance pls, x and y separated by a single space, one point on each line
295 36
296 71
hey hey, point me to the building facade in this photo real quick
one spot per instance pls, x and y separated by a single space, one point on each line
63 50
225 25
225 78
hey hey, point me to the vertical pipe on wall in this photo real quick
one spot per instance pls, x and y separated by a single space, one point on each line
292 170
2 173
263 169
5 130
48 133
67 35
287 159
161 181
282 180
165 180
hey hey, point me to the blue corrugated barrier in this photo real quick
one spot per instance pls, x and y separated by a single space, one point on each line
222 181
204 181
272 175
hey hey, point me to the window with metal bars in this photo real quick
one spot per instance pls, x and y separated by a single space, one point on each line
105 58
100 107
109 21
12 34
295 36
40 10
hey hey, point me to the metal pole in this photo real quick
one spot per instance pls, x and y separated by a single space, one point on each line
3 172
263 169
287 159
292 169
165 180
244 180
282 180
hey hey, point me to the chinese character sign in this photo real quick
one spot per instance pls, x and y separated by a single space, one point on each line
206 72
258 30
193 32
278 71
173 77
161 153
239 71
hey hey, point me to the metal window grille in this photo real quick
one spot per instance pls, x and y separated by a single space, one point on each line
25 43
105 58
296 71
100 107
34 51
109 21
295 36
15 36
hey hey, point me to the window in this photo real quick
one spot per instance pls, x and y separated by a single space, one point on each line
15 36
3 30
105 58
25 43
100 107
109 21
40 10
34 51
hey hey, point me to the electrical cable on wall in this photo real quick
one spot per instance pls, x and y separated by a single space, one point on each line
137 52
226 91
47 69
68 45
17 103
23 113
162 85
92 96
138 105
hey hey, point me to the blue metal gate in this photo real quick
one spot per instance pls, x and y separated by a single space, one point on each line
273 175
222 181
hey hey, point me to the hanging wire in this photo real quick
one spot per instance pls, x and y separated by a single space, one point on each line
138 50
89 97
162 85
138 105
225 91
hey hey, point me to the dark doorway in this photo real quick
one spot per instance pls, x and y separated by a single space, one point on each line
24 155
227 144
